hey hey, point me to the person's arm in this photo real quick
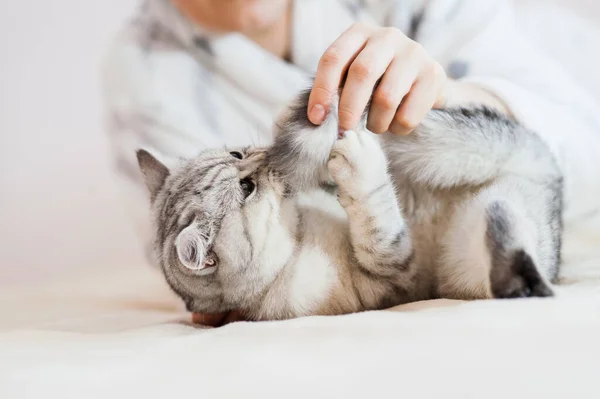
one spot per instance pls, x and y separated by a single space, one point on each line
501 69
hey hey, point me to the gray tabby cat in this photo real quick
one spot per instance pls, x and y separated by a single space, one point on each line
468 206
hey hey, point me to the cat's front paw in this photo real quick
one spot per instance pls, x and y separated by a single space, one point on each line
357 164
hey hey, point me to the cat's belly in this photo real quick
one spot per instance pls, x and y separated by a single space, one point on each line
429 215
328 249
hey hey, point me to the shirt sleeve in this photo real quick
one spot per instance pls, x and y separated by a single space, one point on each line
150 97
481 38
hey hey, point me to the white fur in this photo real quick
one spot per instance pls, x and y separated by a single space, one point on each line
190 248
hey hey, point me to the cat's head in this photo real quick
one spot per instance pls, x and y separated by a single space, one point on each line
224 229
213 217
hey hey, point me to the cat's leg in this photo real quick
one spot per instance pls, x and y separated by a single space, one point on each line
378 232
469 147
494 248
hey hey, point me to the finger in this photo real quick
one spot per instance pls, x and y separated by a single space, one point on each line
209 319
419 101
363 73
442 100
332 67
395 84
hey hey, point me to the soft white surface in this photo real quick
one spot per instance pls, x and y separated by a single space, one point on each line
122 334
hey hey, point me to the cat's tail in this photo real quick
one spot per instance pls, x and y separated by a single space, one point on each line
463 146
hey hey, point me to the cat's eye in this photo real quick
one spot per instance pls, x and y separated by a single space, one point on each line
236 154
247 186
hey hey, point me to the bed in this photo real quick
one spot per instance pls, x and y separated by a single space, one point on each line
124 334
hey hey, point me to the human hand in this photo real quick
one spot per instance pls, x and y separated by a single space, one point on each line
412 82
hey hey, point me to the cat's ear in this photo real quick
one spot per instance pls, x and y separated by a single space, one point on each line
155 173
190 247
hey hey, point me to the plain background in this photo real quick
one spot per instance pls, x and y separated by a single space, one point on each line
60 211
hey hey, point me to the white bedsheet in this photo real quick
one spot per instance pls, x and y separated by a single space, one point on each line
123 334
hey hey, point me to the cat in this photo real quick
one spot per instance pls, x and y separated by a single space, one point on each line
467 206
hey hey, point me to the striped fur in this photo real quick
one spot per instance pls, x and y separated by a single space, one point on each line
468 206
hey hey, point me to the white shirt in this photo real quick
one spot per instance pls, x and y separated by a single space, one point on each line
176 89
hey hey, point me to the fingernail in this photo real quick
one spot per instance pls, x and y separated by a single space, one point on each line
317 114
341 133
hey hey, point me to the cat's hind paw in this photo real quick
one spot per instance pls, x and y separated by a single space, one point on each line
518 278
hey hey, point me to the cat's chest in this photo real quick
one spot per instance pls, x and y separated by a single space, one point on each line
324 227
321 215
318 277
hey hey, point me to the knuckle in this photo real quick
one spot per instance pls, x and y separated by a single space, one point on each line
392 32
384 99
331 57
362 71
359 27
406 121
